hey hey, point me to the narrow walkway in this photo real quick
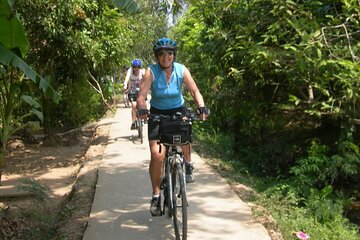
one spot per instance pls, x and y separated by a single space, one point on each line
121 206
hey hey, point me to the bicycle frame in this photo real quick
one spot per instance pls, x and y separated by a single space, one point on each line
173 155
140 128
173 184
173 190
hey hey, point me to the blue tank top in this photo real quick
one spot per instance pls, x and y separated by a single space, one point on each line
167 96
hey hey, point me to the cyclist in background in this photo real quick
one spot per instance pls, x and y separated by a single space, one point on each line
132 83
165 80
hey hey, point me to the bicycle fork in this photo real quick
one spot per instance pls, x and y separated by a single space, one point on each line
179 161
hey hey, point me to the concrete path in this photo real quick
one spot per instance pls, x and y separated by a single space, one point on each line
121 206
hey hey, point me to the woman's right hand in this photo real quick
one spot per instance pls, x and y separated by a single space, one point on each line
142 113
203 113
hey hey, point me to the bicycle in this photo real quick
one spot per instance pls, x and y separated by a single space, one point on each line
139 124
126 99
174 131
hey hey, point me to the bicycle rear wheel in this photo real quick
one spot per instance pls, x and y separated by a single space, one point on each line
179 203
126 100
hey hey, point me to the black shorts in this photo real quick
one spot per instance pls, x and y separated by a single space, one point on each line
132 97
153 127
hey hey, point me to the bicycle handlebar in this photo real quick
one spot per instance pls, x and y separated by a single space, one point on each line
132 91
188 116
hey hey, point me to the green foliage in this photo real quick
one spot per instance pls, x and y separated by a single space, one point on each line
290 220
43 217
321 168
220 143
78 40
13 47
322 206
144 28
319 215
43 226
276 75
129 5
83 104
316 212
12 35
266 68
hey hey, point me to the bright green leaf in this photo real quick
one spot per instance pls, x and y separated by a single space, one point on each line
31 101
128 5
8 58
12 34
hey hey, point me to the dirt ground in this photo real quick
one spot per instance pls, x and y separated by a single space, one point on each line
57 184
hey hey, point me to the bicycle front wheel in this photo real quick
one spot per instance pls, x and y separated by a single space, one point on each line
179 203
126 100
169 189
140 130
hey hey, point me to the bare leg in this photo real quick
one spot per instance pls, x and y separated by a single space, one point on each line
155 167
190 177
186 149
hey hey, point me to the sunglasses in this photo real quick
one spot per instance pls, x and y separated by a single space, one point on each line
165 52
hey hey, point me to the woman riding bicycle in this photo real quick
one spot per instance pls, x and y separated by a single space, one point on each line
132 83
166 79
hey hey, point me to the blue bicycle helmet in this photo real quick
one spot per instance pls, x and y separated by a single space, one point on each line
136 63
166 43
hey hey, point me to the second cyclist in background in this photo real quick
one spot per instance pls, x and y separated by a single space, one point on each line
132 82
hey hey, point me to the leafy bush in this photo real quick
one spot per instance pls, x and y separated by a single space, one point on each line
82 104
319 214
323 206
321 168
43 217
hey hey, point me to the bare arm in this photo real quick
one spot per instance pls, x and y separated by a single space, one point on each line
127 78
144 89
193 89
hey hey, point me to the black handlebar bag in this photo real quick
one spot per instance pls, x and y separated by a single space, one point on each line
175 132
132 95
